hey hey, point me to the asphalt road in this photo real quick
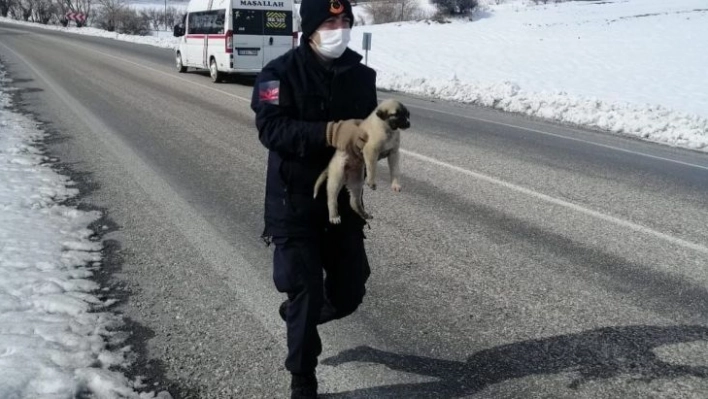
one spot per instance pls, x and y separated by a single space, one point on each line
522 260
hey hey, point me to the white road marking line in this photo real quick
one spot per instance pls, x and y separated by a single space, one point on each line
556 201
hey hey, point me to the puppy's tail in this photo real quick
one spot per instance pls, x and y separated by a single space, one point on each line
320 180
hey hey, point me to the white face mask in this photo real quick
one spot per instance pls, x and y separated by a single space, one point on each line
332 43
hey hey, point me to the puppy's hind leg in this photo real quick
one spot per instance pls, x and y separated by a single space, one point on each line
335 182
394 160
356 191
371 156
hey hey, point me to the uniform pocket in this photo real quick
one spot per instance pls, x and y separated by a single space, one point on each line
296 264
285 264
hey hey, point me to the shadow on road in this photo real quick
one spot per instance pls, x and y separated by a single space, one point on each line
595 355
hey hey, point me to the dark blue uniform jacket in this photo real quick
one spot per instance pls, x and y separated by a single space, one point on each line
294 97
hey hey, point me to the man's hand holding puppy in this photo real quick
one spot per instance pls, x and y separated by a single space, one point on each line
346 135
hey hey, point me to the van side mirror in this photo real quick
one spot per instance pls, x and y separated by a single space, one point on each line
178 30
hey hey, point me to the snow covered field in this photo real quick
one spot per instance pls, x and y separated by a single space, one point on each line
633 67
54 330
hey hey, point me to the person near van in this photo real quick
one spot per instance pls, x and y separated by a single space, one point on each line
308 103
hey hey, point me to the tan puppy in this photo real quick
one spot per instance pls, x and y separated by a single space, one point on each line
347 168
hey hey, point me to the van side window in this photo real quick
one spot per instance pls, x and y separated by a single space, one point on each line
207 22
191 24
218 27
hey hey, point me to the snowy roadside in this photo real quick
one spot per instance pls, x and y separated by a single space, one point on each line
55 331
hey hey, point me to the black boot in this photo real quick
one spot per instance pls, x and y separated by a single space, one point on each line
303 386
282 310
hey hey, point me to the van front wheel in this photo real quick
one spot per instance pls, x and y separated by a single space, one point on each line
216 76
180 66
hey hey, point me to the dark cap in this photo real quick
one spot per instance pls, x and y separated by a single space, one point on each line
314 12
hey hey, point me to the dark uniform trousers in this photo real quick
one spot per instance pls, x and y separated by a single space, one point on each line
324 277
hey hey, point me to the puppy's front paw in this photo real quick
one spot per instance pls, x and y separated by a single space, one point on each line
371 184
335 220
396 187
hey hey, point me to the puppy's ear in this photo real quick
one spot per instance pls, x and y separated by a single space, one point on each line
383 115
402 109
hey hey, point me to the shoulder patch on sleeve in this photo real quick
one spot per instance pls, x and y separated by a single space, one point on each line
269 92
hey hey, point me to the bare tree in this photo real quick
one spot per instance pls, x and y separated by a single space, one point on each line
131 22
173 15
22 9
451 7
83 6
109 14
6 6
43 11
156 17
61 7
385 11
409 9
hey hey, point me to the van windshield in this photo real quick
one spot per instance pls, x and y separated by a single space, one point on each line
263 22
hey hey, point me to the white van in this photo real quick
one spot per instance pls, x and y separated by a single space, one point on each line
234 36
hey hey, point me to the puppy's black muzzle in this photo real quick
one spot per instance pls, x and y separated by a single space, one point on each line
400 122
